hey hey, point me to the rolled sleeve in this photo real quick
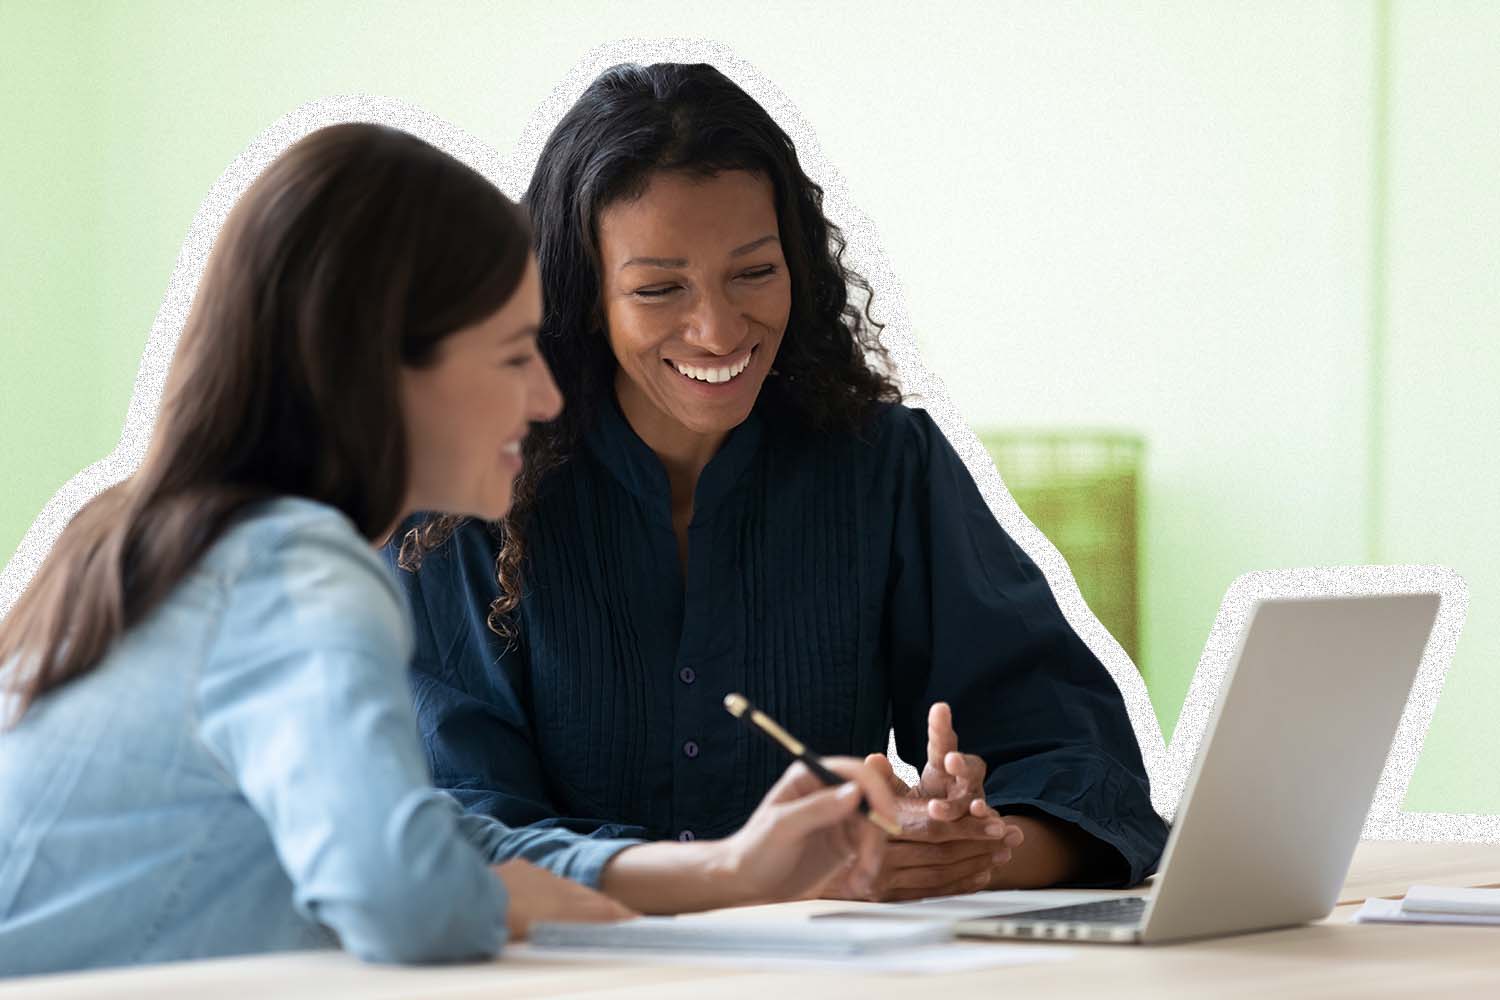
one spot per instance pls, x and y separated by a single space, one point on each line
560 851
304 701
974 623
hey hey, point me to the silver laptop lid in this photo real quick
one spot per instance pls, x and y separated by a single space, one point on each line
1273 808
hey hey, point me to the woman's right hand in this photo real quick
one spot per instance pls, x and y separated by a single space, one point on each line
804 833
537 894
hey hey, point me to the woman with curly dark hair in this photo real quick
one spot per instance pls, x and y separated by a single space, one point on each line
734 499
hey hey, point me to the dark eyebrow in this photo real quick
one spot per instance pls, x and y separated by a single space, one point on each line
751 247
682 261
654 262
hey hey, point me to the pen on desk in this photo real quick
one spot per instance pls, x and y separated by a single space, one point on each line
739 706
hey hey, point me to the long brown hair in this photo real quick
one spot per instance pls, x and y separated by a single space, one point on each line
355 252
632 122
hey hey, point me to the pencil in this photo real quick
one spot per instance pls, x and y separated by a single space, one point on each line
739 706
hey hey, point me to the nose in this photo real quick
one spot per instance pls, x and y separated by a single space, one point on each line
543 400
716 325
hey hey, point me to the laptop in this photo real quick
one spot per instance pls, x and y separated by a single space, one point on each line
1283 779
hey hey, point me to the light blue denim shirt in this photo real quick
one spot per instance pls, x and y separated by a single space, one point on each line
242 773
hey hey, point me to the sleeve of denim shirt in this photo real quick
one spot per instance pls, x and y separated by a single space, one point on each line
304 700
978 627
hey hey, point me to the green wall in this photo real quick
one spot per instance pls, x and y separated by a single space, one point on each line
1195 222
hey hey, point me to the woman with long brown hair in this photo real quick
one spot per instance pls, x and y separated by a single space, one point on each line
210 746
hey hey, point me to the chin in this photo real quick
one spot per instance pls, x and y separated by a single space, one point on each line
721 425
492 508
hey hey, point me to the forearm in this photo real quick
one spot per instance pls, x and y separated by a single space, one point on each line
1053 852
670 877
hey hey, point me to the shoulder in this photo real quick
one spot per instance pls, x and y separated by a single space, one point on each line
899 425
898 438
292 563
890 441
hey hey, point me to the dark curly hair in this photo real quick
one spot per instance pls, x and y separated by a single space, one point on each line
631 123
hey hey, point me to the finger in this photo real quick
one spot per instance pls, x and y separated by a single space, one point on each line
934 877
967 771
948 810
795 782
955 888
836 844
941 739
867 846
881 765
870 847
604 909
980 809
876 791
925 828
951 810
998 826
815 810
904 854
841 885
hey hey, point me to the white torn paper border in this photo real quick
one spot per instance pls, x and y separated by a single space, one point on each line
1167 767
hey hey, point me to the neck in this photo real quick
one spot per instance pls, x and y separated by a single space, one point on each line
683 453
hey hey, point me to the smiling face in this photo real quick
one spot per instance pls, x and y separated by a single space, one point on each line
696 298
468 411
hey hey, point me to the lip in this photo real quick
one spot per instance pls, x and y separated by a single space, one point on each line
714 389
715 360
512 458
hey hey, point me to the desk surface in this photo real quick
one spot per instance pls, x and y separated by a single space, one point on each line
1329 959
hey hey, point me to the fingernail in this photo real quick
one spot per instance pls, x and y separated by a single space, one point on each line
995 829
1000 857
849 791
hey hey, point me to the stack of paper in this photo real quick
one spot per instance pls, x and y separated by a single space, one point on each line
1434 904
919 947
828 937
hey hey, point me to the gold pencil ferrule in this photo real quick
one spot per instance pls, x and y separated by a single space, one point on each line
793 745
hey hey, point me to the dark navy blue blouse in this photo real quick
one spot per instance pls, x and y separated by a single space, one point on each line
843 582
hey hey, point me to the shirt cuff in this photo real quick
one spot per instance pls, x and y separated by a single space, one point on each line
562 852
1101 799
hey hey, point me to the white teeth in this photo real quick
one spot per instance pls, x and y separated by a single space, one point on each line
714 376
514 448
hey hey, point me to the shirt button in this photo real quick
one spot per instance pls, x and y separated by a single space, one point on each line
685 836
687 675
690 748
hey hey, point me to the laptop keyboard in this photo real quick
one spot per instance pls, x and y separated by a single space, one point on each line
1119 910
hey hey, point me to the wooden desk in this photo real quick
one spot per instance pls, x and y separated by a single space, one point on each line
1330 959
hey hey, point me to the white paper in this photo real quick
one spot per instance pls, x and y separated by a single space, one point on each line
937 958
1389 911
757 937
1445 899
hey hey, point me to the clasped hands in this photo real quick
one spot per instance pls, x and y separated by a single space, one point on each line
952 841
804 841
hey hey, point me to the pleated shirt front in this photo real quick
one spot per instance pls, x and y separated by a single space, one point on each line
841 581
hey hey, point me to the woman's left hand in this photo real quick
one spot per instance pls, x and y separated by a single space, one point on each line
951 841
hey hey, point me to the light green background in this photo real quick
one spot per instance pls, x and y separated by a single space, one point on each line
1265 236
